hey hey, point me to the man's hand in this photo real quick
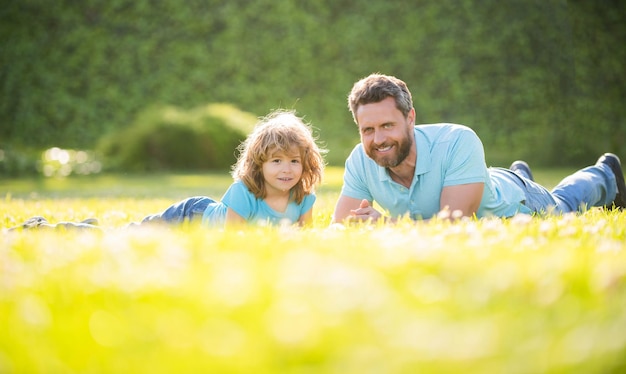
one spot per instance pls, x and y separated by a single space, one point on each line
349 209
365 212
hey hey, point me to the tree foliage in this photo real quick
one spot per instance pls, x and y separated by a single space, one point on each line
541 80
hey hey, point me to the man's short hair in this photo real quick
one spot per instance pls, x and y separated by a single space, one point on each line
376 88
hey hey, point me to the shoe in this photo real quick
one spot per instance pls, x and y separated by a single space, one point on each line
87 224
616 167
522 168
30 223
42 223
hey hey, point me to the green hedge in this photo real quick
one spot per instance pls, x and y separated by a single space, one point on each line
542 80
169 138
17 162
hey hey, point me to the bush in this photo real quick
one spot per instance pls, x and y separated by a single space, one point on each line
17 162
170 138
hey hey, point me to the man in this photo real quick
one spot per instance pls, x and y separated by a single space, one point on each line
423 170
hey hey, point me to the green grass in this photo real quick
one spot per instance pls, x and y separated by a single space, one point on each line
118 199
490 296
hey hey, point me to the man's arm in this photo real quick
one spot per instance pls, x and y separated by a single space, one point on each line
465 198
354 209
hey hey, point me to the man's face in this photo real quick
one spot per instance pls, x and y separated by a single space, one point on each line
386 135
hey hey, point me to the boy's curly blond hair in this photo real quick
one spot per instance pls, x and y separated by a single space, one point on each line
279 131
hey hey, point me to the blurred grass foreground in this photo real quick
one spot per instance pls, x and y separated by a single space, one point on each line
524 295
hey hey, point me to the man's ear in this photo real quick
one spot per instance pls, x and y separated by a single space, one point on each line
411 116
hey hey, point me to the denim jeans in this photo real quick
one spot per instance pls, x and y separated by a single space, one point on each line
190 209
592 186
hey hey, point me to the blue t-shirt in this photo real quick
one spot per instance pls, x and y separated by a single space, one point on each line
447 155
253 210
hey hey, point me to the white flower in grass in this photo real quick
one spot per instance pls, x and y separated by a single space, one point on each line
521 219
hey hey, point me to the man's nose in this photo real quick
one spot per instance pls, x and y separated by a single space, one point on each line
379 137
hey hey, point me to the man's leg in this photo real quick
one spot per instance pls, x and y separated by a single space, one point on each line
592 186
521 168
616 167
537 198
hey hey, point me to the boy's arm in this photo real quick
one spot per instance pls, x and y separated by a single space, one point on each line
233 220
306 218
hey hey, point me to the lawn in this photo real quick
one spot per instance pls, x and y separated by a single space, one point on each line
523 295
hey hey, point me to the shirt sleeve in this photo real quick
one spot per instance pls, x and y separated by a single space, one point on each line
307 203
241 200
465 161
354 183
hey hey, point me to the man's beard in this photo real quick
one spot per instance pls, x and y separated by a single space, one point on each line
403 148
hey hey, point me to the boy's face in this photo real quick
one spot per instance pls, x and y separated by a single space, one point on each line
282 171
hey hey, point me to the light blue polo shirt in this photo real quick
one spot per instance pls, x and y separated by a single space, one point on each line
253 210
447 155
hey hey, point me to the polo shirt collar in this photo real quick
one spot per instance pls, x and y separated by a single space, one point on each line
424 160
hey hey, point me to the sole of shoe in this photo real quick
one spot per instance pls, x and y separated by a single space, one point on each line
613 162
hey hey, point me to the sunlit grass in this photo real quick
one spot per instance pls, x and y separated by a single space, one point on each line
523 295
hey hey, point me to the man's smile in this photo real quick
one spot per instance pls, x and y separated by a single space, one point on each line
383 149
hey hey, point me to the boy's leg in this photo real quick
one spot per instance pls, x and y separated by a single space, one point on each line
186 210
592 186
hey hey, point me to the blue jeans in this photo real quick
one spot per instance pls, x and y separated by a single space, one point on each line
190 209
592 186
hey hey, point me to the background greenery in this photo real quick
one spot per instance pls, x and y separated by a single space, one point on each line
540 80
